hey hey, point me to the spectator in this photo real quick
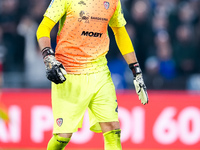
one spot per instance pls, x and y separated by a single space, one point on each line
164 55
13 41
2 54
33 68
141 20
185 50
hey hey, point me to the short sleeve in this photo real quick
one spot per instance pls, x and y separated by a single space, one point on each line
117 20
56 9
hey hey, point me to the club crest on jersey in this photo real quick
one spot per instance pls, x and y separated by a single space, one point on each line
106 4
51 3
59 121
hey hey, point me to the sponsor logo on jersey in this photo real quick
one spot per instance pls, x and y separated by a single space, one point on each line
51 3
91 34
82 3
84 16
59 121
99 18
106 4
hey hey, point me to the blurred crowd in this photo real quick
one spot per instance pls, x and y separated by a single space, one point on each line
165 35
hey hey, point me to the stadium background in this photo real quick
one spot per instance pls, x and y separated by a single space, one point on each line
166 38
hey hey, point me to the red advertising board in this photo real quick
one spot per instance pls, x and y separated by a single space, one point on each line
171 120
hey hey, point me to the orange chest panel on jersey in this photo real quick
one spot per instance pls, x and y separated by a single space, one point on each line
82 39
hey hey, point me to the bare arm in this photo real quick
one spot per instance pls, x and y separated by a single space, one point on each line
43 32
130 58
44 42
125 46
55 71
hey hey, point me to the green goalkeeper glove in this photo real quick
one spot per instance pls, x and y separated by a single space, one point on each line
138 81
55 71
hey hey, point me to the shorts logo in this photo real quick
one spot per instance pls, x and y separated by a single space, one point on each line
59 121
51 3
106 4
83 16
116 110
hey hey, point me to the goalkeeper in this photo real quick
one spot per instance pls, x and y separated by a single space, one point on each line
78 67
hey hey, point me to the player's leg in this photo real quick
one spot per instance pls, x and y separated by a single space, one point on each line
109 126
69 102
103 111
59 141
111 132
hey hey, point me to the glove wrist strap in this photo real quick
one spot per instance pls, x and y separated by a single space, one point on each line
135 68
47 51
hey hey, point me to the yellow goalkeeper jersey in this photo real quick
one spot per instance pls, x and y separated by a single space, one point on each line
82 40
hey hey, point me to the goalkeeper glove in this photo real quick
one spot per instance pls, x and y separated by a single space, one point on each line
139 83
55 71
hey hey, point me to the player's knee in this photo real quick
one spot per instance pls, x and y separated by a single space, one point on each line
65 135
109 126
114 126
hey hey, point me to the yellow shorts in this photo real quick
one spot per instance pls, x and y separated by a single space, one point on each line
71 99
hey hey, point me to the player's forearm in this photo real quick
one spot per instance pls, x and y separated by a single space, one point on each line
130 58
43 32
44 42
124 44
